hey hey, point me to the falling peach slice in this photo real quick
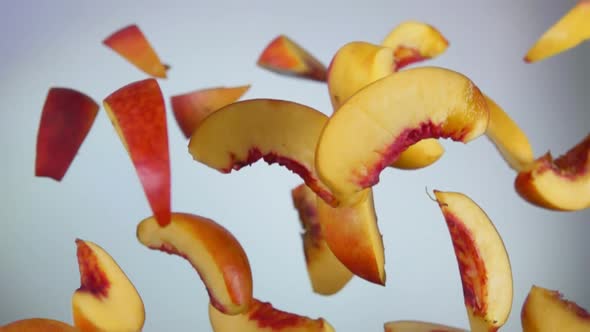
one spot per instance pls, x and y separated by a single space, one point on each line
38 325
418 326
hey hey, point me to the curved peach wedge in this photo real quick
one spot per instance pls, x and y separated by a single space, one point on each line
568 32
509 139
326 273
213 251
106 299
138 114
391 114
562 184
130 43
263 317
414 41
66 120
191 108
483 262
284 56
38 325
418 326
277 131
546 310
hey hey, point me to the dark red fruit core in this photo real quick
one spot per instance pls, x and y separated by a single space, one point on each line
575 162
405 56
268 317
571 306
92 278
305 204
471 265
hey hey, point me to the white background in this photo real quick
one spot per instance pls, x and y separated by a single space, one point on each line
58 43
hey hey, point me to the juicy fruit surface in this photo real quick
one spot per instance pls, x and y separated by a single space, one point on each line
38 325
418 326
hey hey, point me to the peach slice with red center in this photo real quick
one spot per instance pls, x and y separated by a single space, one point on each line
546 310
569 31
277 131
326 273
191 108
418 326
66 119
380 121
106 299
38 325
138 114
130 43
508 138
212 250
356 65
483 262
562 184
263 317
284 56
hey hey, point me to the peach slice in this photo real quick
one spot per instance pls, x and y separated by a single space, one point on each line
106 299
212 250
38 325
66 119
547 310
391 114
356 65
263 317
414 41
352 233
483 262
418 326
277 131
130 43
562 184
191 108
284 56
138 114
326 273
568 32
509 139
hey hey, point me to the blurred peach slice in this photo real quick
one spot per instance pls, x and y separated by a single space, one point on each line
66 120
284 56
263 317
38 325
212 250
130 43
418 326
106 299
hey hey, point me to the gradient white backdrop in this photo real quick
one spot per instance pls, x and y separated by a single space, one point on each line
58 43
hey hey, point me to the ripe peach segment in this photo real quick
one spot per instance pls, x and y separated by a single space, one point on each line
568 32
284 56
483 262
326 273
130 43
509 139
138 115
418 326
213 251
38 325
263 317
546 310
106 299
562 184
276 131
66 119
191 108
380 121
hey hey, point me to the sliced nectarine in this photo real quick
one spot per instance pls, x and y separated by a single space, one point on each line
191 108
418 326
106 299
38 325
380 121
483 262
212 250
130 43
546 310
568 32
263 317
138 114
562 184
66 119
326 273
277 131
